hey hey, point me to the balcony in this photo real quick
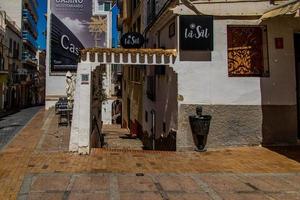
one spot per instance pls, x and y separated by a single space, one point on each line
27 17
27 37
32 7
29 58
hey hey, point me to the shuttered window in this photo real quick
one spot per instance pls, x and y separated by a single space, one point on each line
247 51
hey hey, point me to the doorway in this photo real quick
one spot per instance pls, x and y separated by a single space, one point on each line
297 62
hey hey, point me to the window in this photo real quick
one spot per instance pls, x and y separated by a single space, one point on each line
10 45
151 5
1 62
15 50
247 51
104 5
146 116
151 86
18 50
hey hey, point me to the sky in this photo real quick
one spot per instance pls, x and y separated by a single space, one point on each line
42 9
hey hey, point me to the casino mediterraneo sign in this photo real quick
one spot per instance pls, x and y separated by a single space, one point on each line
72 28
132 40
65 47
196 32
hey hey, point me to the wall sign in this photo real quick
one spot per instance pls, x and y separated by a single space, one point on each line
196 32
132 40
85 80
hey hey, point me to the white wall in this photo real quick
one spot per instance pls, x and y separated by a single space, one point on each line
208 82
280 88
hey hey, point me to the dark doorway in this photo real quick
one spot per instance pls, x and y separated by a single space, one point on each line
297 59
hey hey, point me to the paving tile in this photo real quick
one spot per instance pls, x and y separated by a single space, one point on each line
141 196
241 196
294 180
185 196
88 196
46 196
277 183
283 196
50 183
178 183
136 183
227 183
86 183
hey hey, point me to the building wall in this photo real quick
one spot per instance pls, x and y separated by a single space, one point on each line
246 110
133 90
164 105
133 82
243 108
13 8
279 97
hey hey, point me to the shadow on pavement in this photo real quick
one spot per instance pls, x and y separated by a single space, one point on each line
292 152
10 126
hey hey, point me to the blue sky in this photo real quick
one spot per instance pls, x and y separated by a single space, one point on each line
42 9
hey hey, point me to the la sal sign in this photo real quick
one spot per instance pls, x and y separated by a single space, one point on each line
196 32
132 40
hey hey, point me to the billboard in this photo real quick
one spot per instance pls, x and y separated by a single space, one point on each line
72 28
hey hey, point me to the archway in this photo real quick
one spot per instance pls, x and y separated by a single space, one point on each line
80 140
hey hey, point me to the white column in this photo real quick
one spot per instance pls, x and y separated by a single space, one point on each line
73 146
81 125
85 109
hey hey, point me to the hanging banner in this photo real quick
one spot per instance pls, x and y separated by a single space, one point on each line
72 28
196 32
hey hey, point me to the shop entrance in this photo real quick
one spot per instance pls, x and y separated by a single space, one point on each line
297 62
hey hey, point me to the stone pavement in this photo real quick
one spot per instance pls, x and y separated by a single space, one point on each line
11 124
164 186
29 170
117 138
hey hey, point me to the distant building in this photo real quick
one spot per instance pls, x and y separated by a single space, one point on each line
41 76
11 65
24 14
3 69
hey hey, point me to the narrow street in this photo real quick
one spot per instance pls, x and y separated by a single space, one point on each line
10 125
36 165
116 137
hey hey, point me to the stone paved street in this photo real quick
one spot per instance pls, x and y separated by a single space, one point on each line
32 168
161 186
12 124
117 138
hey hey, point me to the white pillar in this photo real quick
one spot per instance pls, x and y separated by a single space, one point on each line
81 126
73 146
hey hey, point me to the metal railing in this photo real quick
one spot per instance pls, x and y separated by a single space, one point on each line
27 16
26 56
26 35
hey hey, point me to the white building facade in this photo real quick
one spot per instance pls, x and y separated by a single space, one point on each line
246 109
